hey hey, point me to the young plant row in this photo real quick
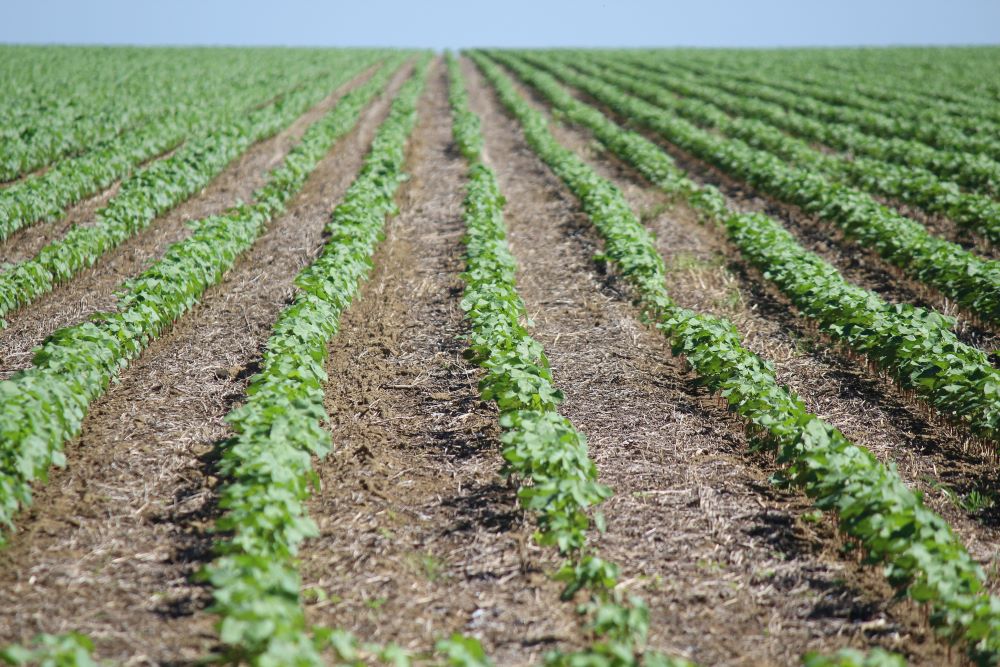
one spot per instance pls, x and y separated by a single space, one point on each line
883 87
967 130
942 133
92 97
888 96
920 77
267 464
970 280
540 445
917 347
39 140
22 156
44 405
146 195
976 172
923 559
756 123
935 78
46 196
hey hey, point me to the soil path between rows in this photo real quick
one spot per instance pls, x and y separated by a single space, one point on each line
112 541
732 571
420 536
93 289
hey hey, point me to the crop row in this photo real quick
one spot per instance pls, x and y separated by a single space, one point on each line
942 133
914 185
978 173
46 196
880 94
884 83
267 464
887 96
970 280
958 77
120 92
917 347
44 405
922 556
540 445
146 195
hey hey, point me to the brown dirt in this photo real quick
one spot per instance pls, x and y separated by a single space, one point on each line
420 536
734 571
93 289
111 543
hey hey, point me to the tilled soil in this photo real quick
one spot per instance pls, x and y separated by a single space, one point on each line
93 289
735 572
420 535
112 541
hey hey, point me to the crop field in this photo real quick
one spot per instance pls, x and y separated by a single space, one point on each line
578 358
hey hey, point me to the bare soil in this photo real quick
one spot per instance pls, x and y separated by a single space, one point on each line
111 543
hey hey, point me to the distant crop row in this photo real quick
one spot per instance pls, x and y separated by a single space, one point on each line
62 102
972 281
894 107
47 195
759 123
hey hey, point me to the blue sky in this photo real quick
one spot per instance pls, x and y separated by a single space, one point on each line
456 24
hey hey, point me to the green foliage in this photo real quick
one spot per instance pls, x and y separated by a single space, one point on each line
858 131
203 105
69 650
854 658
462 651
757 122
151 192
916 346
267 465
922 557
973 282
43 406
